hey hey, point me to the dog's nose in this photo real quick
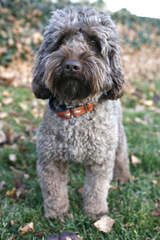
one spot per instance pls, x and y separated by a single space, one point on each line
72 65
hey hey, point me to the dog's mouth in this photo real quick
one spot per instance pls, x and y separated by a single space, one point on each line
72 87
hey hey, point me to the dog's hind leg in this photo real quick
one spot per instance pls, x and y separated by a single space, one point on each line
53 182
121 169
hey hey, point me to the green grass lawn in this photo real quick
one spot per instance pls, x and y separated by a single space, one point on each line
131 205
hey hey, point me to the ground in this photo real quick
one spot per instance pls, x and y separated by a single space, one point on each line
134 206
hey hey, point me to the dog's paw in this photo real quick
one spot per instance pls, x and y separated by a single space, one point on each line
124 179
53 237
66 235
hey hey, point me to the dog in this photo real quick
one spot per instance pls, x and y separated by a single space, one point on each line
78 69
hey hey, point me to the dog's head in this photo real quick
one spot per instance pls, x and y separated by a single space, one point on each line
79 57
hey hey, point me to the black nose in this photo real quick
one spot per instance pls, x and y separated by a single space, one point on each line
72 65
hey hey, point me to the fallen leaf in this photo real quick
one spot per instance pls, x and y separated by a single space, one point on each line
12 157
69 215
23 106
155 182
147 103
135 160
114 187
11 237
12 222
80 190
26 176
6 93
2 184
11 193
7 101
128 120
139 120
3 137
11 135
3 115
37 37
104 224
7 76
156 212
27 228
156 133
152 87
139 108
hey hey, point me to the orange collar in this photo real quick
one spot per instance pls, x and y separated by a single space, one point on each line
76 112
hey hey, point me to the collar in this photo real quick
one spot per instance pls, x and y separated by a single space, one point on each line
68 112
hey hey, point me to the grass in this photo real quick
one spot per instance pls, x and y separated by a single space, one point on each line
131 204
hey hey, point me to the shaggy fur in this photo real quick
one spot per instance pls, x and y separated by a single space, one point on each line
87 39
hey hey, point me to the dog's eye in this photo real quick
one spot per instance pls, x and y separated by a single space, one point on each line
60 41
94 42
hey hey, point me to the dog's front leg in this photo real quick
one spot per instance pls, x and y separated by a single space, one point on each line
53 182
95 191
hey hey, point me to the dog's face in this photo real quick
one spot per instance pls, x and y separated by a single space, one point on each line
79 57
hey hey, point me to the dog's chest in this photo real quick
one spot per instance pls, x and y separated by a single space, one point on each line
89 137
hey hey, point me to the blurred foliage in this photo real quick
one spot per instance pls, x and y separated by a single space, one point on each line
143 27
125 17
25 20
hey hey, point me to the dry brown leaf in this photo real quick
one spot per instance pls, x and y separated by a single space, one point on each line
11 135
7 76
27 228
11 193
10 42
139 120
152 87
3 50
3 137
135 160
26 176
148 103
37 37
128 120
23 106
12 222
3 115
156 212
80 190
104 224
2 184
114 187
7 101
12 157
5 93
155 182
11 237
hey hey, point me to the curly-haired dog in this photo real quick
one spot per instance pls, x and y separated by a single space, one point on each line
78 68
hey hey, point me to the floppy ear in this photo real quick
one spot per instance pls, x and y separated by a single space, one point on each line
116 74
38 84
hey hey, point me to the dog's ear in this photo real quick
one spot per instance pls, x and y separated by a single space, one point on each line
38 84
116 74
